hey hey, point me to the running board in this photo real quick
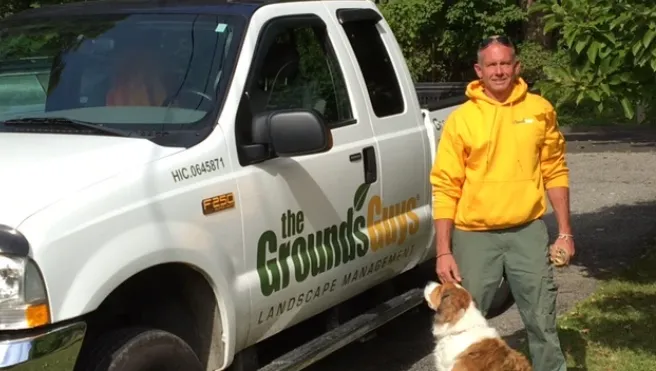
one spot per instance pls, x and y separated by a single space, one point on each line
328 343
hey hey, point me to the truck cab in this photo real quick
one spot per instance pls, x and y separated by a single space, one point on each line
187 179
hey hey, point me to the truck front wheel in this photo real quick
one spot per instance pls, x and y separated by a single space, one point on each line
140 349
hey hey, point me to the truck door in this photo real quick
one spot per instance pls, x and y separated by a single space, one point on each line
304 217
402 216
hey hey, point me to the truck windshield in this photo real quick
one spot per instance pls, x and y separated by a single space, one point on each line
131 70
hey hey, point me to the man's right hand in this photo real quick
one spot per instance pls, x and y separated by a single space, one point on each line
447 269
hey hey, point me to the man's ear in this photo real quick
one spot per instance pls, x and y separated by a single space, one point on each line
518 68
479 70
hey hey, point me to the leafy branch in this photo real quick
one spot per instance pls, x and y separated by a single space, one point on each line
612 49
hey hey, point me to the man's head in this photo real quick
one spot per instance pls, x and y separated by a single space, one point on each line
497 65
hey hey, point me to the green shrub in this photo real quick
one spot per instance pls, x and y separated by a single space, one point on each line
533 57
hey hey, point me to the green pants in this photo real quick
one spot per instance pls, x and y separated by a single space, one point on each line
522 252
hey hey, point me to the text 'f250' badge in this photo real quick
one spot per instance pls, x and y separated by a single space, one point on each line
218 203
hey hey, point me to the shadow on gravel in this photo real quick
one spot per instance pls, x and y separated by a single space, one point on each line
397 346
609 239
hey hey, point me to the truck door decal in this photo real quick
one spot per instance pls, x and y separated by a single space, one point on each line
322 250
201 168
218 203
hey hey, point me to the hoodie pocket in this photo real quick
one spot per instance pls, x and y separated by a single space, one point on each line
500 203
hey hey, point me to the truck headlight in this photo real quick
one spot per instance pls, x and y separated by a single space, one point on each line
23 299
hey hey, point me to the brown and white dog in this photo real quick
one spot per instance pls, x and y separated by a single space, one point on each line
464 340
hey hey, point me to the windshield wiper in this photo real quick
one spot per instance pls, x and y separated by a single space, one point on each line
63 121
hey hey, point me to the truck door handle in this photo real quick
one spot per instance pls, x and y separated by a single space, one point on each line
355 157
370 168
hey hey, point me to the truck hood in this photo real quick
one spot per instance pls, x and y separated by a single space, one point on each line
40 169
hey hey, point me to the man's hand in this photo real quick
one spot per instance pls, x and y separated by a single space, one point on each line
566 243
559 197
447 269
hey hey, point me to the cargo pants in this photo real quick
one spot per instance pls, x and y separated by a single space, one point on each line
522 252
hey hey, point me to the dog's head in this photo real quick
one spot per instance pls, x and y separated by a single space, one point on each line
450 301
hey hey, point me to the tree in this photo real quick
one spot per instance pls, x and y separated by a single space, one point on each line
439 38
611 50
8 7
415 25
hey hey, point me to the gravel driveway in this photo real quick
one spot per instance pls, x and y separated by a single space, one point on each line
613 188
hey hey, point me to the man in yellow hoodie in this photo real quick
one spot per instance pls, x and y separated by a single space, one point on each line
499 153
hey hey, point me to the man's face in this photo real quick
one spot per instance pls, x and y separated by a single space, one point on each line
497 68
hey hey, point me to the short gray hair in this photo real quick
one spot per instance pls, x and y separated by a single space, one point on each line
495 39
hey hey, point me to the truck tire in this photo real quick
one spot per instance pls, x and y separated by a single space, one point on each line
137 349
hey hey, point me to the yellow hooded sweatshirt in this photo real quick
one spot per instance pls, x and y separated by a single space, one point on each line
494 160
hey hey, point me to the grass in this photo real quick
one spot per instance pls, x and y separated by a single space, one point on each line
615 328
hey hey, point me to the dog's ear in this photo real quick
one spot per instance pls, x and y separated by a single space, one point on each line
453 303
429 296
446 300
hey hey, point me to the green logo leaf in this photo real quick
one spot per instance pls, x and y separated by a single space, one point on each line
360 196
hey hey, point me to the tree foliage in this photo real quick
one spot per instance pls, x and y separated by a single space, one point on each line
8 7
439 38
413 23
611 51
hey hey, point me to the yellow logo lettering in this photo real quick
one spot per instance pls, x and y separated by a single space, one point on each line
391 224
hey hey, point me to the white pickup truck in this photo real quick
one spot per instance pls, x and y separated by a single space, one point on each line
185 179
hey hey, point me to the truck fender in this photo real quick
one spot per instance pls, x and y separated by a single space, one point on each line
135 250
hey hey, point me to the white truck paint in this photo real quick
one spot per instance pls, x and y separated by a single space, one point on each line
98 210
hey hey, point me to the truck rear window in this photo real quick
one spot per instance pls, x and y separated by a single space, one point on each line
118 69
376 66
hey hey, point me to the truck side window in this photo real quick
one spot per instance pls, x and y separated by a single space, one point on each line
376 67
300 70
